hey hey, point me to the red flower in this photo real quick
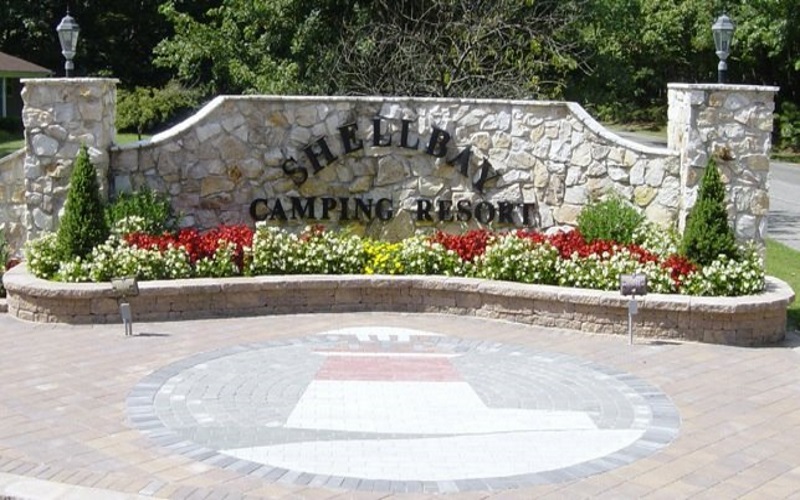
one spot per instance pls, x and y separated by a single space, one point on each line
468 246
679 268
197 245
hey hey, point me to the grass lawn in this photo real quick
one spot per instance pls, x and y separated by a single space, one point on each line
787 156
10 143
784 263
125 138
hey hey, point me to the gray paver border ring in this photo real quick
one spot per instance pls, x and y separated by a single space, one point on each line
660 431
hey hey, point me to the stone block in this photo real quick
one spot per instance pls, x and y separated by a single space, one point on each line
582 155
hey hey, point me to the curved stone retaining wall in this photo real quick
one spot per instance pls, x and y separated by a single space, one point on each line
750 320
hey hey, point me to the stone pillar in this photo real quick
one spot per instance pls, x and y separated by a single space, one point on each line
732 124
59 115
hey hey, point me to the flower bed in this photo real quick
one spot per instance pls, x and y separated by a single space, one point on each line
564 258
554 280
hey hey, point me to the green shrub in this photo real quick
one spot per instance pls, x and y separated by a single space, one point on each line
612 219
144 108
83 225
153 208
708 234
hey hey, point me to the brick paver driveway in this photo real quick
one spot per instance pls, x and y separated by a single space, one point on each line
375 405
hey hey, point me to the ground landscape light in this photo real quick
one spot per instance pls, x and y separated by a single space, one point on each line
68 31
723 29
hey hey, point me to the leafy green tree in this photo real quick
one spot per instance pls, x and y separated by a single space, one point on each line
637 48
767 44
614 56
708 234
83 225
144 108
272 47
459 48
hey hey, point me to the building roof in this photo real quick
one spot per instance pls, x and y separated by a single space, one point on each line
15 67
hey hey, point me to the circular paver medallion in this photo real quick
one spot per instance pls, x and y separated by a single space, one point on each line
394 409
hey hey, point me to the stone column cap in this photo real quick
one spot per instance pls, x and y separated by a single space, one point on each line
722 86
62 81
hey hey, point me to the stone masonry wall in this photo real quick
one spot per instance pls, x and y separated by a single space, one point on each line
551 154
12 199
732 124
59 115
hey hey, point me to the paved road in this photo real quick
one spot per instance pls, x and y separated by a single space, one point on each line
784 204
783 224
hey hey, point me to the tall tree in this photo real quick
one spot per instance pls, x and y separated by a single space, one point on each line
464 48
473 48
639 46
767 45
255 47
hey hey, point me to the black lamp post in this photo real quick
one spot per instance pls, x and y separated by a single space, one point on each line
723 30
68 37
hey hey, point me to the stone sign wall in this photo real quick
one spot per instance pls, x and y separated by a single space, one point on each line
395 165
448 163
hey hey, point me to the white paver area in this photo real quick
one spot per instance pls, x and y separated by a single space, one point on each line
444 458
405 408
418 408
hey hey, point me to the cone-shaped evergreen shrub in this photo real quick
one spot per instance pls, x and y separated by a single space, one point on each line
83 225
708 234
